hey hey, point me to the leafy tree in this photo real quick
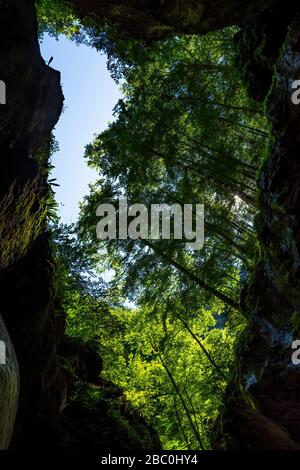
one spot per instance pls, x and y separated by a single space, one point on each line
164 147
56 17
173 370
185 133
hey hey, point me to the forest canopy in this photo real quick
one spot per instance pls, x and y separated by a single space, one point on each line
168 323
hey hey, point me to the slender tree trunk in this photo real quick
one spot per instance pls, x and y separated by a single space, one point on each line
193 277
203 348
180 424
178 392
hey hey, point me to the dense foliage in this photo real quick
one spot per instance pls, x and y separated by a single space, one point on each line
187 133
173 370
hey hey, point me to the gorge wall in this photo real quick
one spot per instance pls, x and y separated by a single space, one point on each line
34 102
263 405
155 19
39 377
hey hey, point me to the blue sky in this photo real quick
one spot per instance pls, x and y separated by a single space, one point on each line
90 95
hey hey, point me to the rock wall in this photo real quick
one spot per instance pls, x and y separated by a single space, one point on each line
50 369
263 405
263 402
156 19
9 382
34 102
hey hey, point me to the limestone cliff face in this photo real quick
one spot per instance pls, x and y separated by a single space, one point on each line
267 415
258 43
263 405
156 19
33 323
34 103
9 383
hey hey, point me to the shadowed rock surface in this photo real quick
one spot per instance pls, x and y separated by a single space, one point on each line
30 311
151 20
263 405
34 103
9 381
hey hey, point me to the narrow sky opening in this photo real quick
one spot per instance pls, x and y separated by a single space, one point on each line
90 95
